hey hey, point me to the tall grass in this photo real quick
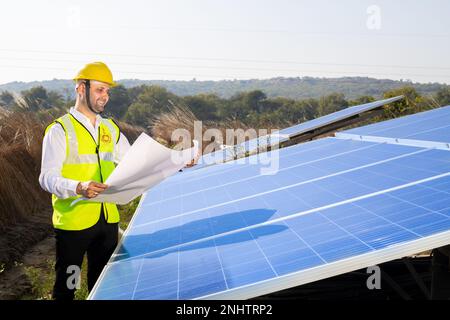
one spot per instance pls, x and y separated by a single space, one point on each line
20 156
181 117
130 131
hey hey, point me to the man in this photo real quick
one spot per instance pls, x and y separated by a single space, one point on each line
80 150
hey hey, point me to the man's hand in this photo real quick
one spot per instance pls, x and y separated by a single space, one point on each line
194 161
90 189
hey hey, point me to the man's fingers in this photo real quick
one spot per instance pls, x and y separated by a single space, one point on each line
92 194
96 189
91 189
98 185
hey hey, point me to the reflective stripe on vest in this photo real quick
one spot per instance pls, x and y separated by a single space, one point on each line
85 160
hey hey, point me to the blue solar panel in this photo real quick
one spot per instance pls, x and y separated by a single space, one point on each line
427 129
336 116
264 254
333 206
297 163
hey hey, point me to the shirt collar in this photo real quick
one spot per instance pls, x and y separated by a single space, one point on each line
81 117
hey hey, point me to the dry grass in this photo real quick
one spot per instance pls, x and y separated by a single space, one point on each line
130 131
181 117
20 156
164 124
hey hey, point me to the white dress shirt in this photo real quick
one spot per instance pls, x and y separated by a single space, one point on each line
54 154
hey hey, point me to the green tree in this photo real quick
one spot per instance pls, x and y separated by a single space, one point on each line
36 98
443 96
361 100
242 104
204 106
134 92
301 110
118 103
152 101
55 99
273 104
407 105
308 109
234 108
331 103
254 100
282 111
6 99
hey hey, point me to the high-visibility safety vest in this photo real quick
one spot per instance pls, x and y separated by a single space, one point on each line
85 160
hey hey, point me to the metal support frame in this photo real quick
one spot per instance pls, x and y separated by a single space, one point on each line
394 285
417 278
440 279
330 129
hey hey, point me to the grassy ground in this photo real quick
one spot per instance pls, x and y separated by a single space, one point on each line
126 213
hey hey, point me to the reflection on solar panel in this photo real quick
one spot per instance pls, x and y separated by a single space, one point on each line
229 153
336 116
333 206
426 129
261 143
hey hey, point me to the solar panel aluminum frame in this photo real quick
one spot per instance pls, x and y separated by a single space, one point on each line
333 269
340 117
402 141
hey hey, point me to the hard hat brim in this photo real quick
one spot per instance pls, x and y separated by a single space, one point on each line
112 85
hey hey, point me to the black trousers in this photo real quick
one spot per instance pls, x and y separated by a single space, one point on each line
98 241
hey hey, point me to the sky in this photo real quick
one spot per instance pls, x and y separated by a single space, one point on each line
226 39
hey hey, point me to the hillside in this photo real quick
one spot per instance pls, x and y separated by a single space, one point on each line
294 88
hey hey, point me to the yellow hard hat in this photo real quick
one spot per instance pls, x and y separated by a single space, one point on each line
96 71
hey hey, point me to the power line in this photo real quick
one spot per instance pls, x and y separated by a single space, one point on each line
343 33
225 59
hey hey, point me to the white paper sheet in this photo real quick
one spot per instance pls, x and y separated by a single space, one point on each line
146 163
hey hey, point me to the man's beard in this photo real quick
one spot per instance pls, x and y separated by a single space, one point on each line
95 108
99 108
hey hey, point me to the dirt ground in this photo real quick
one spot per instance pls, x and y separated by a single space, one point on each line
29 244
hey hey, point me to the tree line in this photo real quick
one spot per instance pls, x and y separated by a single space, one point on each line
140 105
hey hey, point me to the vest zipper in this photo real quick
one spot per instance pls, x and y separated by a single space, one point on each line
97 145
100 167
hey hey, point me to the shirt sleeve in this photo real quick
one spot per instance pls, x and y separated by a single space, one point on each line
53 155
121 149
